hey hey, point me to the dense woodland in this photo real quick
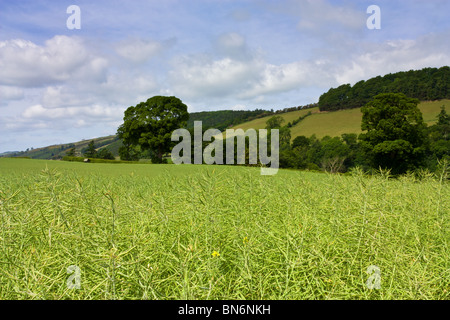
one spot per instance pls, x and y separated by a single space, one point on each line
425 84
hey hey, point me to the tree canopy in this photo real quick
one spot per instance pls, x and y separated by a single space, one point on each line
395 134
149 125
274 122
90 151
425 84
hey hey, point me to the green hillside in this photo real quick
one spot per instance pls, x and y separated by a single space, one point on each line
58 151
261 122
335 123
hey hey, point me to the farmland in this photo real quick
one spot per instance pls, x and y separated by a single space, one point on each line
140 231
335 123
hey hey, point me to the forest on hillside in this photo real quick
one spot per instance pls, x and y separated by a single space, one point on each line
424 84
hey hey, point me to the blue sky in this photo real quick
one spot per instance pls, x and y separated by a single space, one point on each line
59 85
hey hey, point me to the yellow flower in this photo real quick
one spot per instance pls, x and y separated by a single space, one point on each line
245 240
215 254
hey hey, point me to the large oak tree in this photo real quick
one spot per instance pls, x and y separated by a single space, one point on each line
150 124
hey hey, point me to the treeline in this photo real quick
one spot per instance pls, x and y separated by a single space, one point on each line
224 119
425 84
290 109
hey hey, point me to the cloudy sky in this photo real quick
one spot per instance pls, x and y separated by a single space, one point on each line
60 85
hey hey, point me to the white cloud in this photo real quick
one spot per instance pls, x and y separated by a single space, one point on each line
26 64
393 56
287 77
200 76
118 89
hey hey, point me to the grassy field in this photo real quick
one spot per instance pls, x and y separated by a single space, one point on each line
138 231
261 122
336 123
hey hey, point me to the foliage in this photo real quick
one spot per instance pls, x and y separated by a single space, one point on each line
71 152
425 84
396 134
439 136
90 151
150 124
104 153
129 153
274 122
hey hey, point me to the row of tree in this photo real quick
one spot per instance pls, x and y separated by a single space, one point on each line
395 137
425 84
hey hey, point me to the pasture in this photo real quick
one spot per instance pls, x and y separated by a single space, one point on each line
335 123
139 231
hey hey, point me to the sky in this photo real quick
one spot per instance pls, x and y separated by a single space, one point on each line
61 85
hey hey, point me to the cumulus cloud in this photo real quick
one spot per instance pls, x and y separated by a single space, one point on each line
118 89
26 64
395 55
286 77
200 76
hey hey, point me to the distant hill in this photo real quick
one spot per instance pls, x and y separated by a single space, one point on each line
7 153
58 151
427 84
